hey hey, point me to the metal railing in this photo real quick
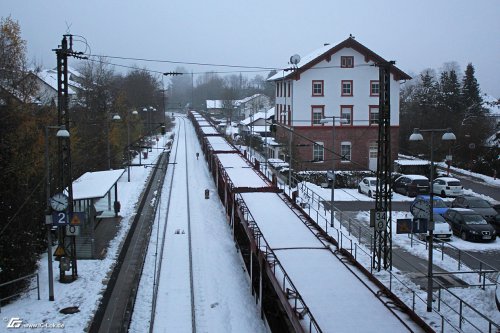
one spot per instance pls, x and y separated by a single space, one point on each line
349 232
21 292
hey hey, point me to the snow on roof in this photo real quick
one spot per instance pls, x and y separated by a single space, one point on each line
257 116
202 123
245 177
214 104
209 130
238 102
233 161
303 61
218 143
292 241
49 77
411 162
95 184
312 58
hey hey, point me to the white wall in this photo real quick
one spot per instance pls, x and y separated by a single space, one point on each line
332 75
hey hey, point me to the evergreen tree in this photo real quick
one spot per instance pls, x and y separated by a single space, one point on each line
475 127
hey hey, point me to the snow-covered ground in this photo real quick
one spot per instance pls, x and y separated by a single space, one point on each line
86 291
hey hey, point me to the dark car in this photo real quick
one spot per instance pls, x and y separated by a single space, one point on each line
469 225
477 204
411 185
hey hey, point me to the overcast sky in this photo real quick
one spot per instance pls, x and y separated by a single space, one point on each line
416 34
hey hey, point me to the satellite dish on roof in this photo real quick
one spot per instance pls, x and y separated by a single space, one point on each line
295 59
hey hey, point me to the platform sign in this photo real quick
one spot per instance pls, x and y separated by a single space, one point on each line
78 218
62 218
420 226
72 230
380 221
407 226
403 226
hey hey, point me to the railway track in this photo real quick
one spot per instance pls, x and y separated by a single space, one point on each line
115 310
177 176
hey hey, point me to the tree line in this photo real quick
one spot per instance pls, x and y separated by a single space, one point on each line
448 99
97 142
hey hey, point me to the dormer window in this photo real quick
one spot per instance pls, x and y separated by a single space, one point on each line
347 61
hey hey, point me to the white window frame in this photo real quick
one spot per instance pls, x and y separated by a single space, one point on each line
319 151
346 150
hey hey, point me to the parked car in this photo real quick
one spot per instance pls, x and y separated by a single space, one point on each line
447 187
368 186
442 230
438 205
469 225
477 204
411 185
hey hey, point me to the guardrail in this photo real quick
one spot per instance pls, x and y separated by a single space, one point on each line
21 292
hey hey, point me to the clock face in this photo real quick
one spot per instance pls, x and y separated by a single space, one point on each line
59 202
420 209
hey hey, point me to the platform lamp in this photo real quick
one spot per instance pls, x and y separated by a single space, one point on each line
61 133
417 136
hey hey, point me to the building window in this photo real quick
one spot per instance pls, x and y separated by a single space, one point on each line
318 152
347 61
317 113
289 88
347 88
289 115
346 114
374 88
317 88
373 150
345 151
374 114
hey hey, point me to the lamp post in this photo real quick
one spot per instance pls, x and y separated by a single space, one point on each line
61 133
417 136
326 120
134 113
114 117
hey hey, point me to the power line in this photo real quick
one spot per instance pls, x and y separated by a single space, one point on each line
185 62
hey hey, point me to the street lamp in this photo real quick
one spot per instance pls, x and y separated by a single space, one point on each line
114 117
417 136
134 113
61 133
326 120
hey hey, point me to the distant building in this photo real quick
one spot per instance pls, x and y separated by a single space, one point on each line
256 123
335 80
47 86
251 105
240 108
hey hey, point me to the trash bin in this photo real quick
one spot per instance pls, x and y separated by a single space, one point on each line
207 194
145 154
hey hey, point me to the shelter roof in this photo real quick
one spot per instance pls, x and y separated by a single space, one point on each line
93 185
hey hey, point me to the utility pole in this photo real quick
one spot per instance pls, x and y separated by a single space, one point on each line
382 251
64 151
